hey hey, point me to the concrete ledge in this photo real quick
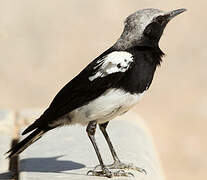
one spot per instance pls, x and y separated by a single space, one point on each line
6 134
66 153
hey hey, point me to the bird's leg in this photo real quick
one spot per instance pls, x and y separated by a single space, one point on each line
91 129
103 130
117 163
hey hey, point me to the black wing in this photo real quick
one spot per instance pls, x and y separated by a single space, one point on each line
100 75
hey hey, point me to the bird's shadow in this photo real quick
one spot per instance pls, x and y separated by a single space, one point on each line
6 175
48 165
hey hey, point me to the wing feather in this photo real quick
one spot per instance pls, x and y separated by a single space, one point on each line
101 74
117 61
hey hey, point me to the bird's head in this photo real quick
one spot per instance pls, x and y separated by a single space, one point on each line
145 27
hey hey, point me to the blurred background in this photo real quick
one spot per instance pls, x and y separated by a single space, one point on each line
44 44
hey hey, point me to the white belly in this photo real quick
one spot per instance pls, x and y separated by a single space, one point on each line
112 103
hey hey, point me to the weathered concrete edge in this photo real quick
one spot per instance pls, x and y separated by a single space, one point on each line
132 117
7 125
140 122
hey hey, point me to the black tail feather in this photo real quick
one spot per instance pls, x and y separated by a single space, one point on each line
22 145
32 127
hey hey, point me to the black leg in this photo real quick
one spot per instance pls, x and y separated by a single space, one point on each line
117 163
103 130
91 129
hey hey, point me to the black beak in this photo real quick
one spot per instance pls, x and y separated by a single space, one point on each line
174 13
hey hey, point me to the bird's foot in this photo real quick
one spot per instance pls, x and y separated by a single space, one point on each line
106 173
120 165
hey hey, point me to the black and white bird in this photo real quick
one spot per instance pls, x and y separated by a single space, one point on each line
108 87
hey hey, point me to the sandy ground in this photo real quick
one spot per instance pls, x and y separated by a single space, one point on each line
45 43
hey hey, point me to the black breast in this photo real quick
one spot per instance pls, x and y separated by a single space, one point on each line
140 76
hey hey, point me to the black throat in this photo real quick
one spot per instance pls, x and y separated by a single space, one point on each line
139 78
152 53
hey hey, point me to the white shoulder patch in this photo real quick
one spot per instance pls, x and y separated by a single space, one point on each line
117 61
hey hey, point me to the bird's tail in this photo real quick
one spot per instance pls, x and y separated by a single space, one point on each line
22 145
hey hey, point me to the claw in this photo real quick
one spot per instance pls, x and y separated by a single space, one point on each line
116 165
88 173
131 174
142 171
123 173
120 165
106 173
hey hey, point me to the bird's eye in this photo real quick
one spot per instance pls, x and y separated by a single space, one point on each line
160 19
